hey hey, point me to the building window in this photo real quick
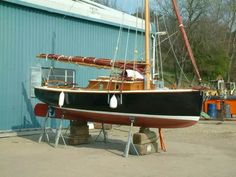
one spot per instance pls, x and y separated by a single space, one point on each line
35 79
52 77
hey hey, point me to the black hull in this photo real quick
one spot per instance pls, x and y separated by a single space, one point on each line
167 109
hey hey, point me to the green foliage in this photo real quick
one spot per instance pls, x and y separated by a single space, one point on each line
209 25
212 63
209 29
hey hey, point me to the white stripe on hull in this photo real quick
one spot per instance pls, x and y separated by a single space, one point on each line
171 117
81 90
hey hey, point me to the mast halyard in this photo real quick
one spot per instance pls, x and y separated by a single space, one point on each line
147 46
185 38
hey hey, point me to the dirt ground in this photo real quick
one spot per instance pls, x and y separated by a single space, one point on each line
207 149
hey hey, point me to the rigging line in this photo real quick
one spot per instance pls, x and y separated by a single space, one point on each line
159 47
72 5
127 45
172 48
136 55
49 73
185 39
116 48
135 42
166 7
126 51
135 52
183 59
119 36
169 36
116 51
124 67
155 61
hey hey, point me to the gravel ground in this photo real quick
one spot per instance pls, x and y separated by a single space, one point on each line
207 149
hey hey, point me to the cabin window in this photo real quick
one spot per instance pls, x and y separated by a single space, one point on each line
101 87
117 87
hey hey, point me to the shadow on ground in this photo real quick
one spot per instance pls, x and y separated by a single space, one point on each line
114 145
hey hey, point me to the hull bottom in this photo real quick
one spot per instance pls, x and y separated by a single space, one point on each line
122 119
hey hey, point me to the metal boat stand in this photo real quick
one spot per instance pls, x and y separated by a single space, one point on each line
130 140
104 132
59 133
44 130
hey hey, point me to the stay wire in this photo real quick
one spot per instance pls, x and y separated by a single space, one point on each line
172 49
113 71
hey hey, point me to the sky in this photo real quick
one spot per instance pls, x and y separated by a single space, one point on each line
128 5
131 5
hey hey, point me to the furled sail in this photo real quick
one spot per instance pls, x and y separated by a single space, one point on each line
96 62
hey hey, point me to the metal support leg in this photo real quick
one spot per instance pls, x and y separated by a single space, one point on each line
102 131
59 133
130 139
44 131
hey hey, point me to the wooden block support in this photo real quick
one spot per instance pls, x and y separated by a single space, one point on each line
79 133
145 142
145 149
99 126
77 123
144 138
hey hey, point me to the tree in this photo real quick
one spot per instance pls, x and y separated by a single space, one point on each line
230 14
209 28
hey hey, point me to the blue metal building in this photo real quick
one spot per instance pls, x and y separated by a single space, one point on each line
29 27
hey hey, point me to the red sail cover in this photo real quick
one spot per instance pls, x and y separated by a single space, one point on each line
96 62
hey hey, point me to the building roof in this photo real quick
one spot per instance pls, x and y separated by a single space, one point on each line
85 9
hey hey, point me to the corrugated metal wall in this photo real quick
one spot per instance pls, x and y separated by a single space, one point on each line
26 32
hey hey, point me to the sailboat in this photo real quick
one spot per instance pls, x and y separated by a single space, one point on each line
131 95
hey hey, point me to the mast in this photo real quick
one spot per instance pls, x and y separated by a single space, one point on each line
185 38
147 46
